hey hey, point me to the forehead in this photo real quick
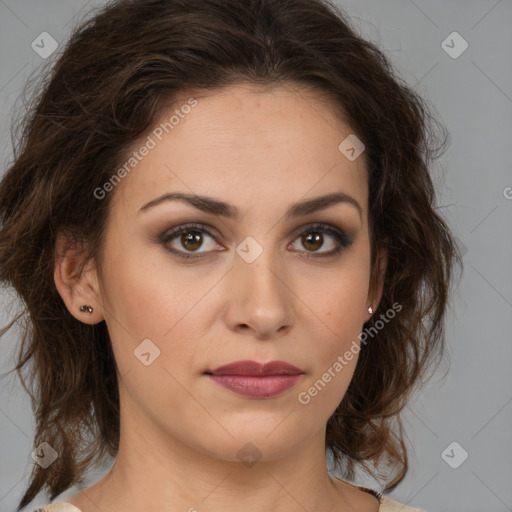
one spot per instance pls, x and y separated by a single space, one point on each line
248 144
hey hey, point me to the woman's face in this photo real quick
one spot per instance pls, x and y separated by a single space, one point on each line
265 283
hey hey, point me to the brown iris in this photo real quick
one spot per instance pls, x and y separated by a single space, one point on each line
313 241
192 240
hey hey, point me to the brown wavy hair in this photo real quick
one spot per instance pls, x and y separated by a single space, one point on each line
108 87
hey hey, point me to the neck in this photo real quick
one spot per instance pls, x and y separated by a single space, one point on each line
154 471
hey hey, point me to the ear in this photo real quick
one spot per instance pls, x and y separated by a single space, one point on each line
377 282
76 284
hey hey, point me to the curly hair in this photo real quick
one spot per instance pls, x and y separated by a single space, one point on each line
107 88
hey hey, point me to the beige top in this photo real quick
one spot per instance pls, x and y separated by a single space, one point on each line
386 504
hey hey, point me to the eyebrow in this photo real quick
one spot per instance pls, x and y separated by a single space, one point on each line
220 208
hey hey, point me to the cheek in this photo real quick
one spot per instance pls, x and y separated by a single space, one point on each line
335 359
334 364
336 310
149 299
336 298
145 293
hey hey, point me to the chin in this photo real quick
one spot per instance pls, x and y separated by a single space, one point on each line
257 441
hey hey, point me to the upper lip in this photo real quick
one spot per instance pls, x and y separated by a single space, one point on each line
256 369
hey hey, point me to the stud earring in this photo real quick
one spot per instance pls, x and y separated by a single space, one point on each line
86 309
370 310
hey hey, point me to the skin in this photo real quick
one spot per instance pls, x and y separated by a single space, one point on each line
261 151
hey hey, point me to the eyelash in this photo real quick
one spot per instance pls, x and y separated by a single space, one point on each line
339 235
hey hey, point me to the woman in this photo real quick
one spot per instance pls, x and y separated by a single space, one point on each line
222 224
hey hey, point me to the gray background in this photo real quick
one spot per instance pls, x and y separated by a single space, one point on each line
472 96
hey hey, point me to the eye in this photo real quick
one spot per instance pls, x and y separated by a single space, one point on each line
190 238
314 238
184 240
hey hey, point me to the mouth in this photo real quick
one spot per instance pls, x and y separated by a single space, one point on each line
253 379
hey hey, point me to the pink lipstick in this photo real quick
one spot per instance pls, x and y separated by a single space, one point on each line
253 379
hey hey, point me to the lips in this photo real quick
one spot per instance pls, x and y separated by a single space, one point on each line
253 379
257 369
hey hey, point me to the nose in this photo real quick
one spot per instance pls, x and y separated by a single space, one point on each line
260 297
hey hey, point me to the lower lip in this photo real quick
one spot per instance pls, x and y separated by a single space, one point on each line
257 387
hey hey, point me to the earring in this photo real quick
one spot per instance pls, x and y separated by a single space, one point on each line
370 310
86 309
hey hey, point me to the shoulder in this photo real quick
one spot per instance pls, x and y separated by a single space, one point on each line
58 507
385 504
389 505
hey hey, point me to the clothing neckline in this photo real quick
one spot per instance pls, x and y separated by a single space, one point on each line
368 490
